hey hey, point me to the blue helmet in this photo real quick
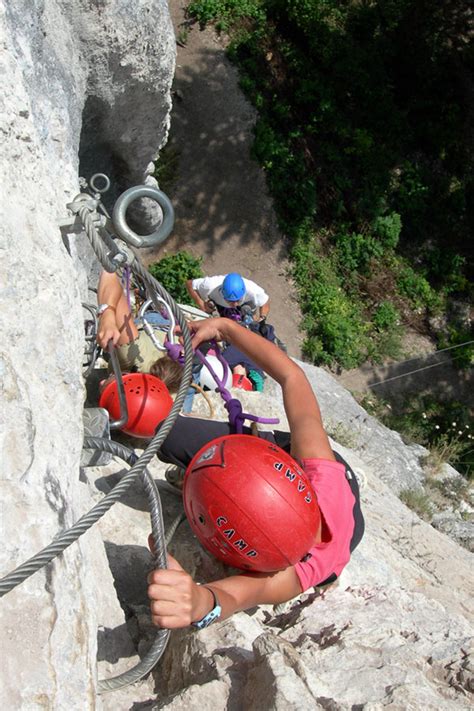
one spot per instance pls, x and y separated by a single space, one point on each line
233 287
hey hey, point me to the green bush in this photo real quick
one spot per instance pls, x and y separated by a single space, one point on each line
174 270
386 344
388 229
225 12
386 316
361 132
166 167
355 251
445 427
335 328
456 336
445 267
417 289
293 188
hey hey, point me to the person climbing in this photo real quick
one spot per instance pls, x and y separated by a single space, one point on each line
135 349
227 293
175 599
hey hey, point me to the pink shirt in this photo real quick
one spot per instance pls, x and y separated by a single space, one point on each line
336 502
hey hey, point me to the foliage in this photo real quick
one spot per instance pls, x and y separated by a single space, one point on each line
386 316
335 329
445 266
224 12
417 289
174 270
387 228
448 448
456 336
166 167
445 428
356 251
417 501
363 136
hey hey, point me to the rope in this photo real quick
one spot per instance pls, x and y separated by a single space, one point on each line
418 370
233 406
412 372
206 397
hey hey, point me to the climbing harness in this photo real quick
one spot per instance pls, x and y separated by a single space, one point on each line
89 214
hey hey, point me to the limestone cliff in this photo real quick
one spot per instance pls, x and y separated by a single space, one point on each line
74 75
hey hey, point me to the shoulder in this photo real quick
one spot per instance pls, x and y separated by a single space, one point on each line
329 480
208 283
255 290
212 282
315 466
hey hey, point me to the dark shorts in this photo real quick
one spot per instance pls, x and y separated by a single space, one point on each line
189 434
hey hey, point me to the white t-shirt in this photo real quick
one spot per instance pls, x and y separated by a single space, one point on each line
211 288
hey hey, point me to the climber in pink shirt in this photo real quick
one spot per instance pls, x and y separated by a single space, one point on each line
178 601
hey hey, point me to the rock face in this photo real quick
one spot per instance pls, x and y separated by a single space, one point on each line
72 73
86 86
395 631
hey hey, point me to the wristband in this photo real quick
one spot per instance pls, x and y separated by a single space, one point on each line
104 307
211 616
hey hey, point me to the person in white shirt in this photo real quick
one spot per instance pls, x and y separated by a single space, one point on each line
229 291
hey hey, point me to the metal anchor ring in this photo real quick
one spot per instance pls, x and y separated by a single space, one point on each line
100 176
126 233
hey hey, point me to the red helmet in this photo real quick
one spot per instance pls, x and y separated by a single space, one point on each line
148 403
242 382
250 503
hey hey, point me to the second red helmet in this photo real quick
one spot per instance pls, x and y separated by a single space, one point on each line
148 403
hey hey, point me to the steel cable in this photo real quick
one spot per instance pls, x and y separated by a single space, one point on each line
96 240
65 539
158 646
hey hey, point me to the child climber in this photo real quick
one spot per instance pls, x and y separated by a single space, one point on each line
175 599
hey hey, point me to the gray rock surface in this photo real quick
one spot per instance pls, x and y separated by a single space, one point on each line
60 59
396 630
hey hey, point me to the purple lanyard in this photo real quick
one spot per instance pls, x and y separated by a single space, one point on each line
233 406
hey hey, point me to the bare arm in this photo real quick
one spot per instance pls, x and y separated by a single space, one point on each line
264 310
177 601
116 322
308 438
